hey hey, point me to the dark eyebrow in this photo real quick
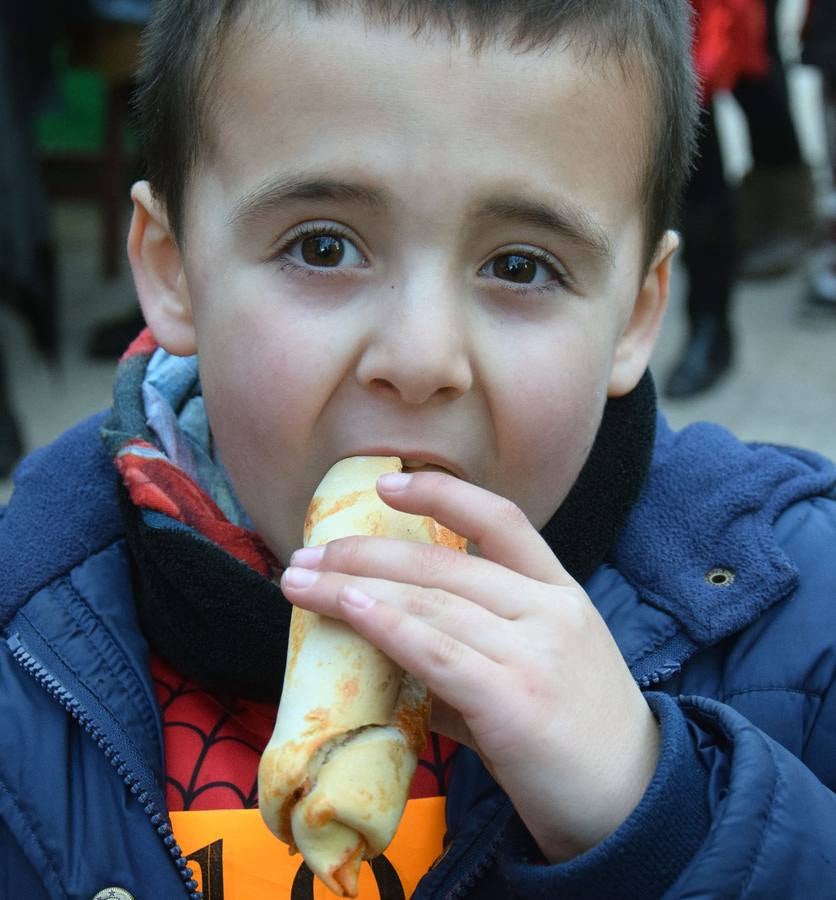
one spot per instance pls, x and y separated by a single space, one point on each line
272 194
570 221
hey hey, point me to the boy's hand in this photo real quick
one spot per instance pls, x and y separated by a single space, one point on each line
521 666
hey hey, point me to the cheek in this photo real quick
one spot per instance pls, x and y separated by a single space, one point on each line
261 442
263 392
247 375
255 444
549 426
263 360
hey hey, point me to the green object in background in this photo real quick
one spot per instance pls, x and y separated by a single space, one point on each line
76 123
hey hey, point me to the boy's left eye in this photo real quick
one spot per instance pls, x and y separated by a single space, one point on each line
516 268
524 268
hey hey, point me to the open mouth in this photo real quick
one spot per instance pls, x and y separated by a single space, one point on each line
417 465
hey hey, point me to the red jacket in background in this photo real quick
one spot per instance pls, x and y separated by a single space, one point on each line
729 43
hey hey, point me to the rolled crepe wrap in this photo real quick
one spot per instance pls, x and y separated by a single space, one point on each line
335 776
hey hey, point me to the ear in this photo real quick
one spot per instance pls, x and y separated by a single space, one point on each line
635 346
158 273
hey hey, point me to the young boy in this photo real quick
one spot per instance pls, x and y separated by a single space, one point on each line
438 232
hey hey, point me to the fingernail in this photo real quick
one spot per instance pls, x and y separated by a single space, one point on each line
394 481
356 599
308 557
299 578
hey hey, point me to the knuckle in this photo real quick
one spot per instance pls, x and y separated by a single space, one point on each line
432 562
445 653
344 554
425 603
577 613
509 515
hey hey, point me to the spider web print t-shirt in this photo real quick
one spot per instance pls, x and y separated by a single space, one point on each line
213 747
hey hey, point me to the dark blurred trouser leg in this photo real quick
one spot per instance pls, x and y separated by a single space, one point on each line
27 244
24 281
709 259
820 51
11 443
823 263
776 198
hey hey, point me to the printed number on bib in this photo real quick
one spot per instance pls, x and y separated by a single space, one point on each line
235 857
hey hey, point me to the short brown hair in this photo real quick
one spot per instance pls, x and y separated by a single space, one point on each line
183 50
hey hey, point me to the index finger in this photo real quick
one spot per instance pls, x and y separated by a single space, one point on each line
496 525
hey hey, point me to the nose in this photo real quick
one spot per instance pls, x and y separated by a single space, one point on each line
419 349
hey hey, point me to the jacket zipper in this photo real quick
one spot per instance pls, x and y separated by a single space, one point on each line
648 681
665 662
158 819
476 874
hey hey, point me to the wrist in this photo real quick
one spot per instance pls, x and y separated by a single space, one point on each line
595 807
647 853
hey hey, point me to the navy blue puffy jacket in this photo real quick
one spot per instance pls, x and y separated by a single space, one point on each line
721 594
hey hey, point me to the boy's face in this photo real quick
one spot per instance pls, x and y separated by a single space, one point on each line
398 247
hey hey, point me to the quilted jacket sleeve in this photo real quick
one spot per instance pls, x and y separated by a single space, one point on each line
730 814
774 825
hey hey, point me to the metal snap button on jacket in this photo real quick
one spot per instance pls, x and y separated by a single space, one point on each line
113 893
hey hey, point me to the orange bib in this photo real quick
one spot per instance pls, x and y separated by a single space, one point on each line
234 856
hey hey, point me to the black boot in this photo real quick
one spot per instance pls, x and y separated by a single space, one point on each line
706 358
709 257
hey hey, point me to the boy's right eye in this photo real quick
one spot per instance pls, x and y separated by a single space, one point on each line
323 250
320 247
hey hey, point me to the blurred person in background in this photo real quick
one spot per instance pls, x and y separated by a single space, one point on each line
776 198
819 49
730 43
28 273
27 248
